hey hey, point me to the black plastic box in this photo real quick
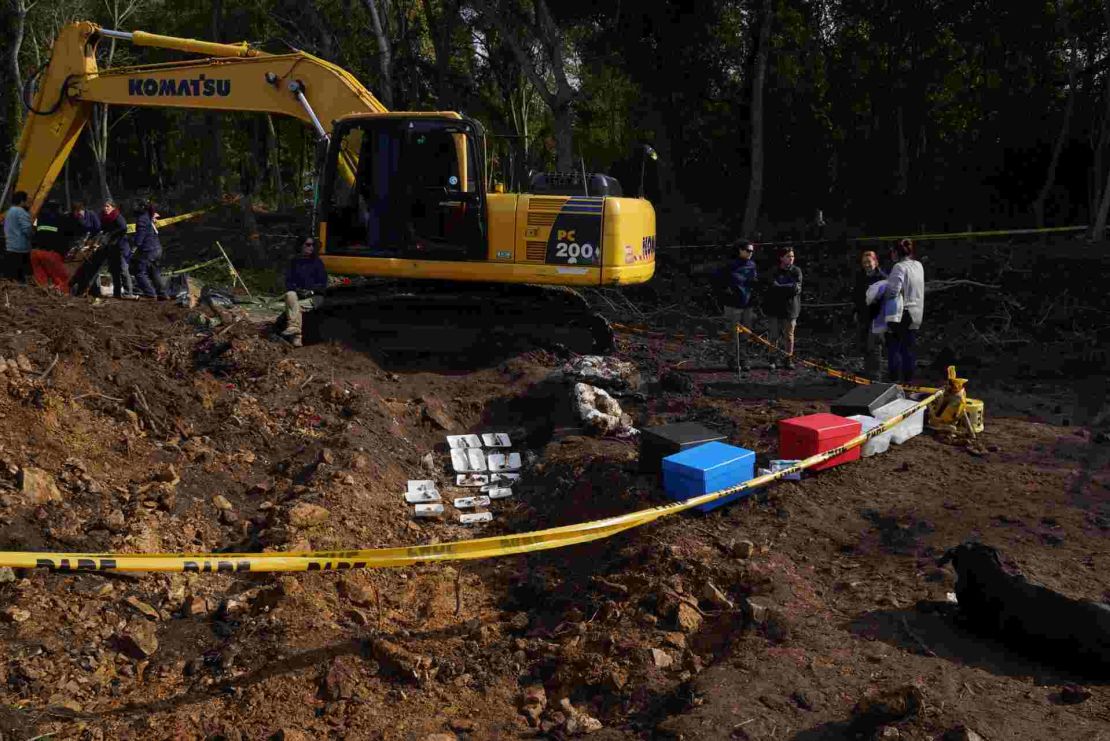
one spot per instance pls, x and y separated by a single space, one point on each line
866 400
656 443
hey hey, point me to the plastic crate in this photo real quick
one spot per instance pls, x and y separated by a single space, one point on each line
878 444
908 428
866 400
802 437
706 468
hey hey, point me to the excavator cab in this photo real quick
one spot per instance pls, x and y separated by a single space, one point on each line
414 191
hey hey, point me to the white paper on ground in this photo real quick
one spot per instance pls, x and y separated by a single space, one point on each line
502 462
496 440
471 502
473 518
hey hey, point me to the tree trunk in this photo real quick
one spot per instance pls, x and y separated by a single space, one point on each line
385 53
441 30
214 121
903 182
1099 230
1065 126
755 185
1054 161
1102 198
273 147
564 137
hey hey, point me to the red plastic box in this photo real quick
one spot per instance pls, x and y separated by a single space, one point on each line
802 437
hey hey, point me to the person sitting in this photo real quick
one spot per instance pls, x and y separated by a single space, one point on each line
49 249
305 282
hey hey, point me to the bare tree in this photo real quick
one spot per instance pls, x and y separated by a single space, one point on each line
1098 231
755 186
385 52
545 38
119 11
1065 125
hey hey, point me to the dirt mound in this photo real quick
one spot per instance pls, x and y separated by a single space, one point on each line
125 426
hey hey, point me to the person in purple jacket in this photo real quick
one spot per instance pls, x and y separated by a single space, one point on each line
305 283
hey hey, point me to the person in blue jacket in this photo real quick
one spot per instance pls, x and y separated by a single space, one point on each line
306 279
147 249
737 280
114 226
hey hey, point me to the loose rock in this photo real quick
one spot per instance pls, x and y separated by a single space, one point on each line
138 640
687 618
661 659
221 502
307 515
38 486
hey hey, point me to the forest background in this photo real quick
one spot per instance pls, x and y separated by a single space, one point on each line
767 116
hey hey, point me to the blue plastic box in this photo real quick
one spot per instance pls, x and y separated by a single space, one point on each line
706 468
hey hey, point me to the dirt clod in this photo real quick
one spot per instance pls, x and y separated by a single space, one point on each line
38 486
306 515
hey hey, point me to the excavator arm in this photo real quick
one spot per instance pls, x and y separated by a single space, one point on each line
234 78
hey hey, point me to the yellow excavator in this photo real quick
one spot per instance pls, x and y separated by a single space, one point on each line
400 195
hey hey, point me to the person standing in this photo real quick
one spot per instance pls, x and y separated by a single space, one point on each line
49 250
906 286
119 250
305 282
148 253
870 343
18 232
783 304
738 280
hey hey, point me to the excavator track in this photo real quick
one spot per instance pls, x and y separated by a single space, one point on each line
429 318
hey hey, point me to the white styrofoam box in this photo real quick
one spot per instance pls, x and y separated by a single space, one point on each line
474 518
878 444
908 428
462 442
429 510
471 479
496 440
502 462
416 485
504 477
468 460
471 502
422 496
499 492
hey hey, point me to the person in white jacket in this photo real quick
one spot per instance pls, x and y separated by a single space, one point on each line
905 308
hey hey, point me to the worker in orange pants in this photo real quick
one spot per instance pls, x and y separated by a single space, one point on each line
49 248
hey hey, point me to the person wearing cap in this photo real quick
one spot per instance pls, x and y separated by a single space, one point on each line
737 280
783 303
306 279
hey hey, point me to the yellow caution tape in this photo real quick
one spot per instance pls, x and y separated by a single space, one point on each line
892 237
539 540
751 336
170 220
827 370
